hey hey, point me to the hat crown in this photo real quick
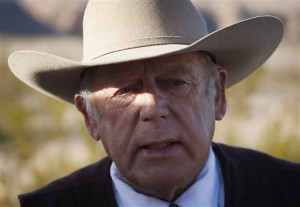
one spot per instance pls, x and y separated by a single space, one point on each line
114 25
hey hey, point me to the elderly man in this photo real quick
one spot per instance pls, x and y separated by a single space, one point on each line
151 86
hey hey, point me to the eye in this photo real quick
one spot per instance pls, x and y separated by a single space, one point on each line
178 82
177 86
123 91
126 91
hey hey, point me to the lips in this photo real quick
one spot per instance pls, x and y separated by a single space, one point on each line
158 146
159 149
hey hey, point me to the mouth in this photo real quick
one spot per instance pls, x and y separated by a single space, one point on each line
160 149
158 146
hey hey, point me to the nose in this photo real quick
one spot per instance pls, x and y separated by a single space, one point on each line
152 106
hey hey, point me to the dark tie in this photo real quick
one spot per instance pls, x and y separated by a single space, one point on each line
173 205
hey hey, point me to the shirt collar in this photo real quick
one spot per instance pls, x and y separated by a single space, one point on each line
208 189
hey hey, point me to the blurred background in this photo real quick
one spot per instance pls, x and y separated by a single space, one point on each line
42 139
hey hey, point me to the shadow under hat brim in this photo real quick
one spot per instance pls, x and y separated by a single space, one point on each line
240 48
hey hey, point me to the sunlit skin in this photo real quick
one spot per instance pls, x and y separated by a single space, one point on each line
156 119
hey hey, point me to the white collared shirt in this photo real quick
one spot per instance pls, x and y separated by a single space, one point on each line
207 191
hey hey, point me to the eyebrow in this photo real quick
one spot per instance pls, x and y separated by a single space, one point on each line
120 79
178 69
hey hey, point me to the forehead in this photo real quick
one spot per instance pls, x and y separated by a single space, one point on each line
182 64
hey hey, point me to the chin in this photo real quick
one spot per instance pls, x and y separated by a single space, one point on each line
164 178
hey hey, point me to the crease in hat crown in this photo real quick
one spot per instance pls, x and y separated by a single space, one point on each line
114 25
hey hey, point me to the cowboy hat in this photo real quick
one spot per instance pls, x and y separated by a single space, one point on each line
116 31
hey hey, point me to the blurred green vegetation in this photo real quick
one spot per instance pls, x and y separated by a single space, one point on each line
280 134
29 124
42 139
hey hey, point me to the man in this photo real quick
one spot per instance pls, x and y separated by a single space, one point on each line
150 86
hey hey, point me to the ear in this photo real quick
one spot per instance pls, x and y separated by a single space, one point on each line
220 100
90 123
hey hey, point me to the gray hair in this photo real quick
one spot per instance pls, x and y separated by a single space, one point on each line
89 104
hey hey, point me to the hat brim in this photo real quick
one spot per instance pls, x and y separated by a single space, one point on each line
240 48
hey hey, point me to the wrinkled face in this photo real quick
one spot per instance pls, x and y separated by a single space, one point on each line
156 119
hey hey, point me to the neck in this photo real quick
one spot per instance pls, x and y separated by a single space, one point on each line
171 192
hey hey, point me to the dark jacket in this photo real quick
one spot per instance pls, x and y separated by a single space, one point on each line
251 179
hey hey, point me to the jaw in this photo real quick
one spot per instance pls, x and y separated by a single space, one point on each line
162 177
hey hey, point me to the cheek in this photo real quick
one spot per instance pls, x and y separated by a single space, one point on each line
105 122
206 116
115 127
197 116
199 129
204 105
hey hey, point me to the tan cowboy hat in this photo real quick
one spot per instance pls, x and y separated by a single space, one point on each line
116 31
